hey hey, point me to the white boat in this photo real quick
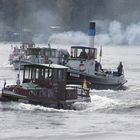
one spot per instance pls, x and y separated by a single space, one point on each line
19 57
83 64
29 54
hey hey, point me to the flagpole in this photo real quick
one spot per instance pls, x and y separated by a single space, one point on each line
100 60
100 54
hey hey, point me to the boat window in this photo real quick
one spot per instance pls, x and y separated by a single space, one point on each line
27 73
33 71
47 53
46 73
78 52
55 74
72 52
64 75
53 54
50 53
41 73
36 73
75 53
50 73
60 75
93 53
83 53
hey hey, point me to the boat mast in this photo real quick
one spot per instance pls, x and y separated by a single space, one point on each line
100 55
18 75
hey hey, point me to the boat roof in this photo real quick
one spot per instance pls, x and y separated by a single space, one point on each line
28 42
72 85
52 66
81 47
37 48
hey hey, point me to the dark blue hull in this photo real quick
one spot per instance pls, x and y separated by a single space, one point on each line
96 81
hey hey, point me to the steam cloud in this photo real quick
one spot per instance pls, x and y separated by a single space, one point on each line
69 37
110 33
45 19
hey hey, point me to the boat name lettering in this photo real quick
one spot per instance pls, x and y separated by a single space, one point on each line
74 75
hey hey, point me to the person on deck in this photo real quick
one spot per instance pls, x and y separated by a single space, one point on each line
120 69
83 54
98 67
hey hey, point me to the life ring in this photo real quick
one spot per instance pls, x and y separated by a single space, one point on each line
82 67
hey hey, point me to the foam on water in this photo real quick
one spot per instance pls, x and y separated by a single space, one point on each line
15 106
104 103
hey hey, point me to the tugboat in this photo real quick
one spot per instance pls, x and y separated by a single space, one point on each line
83 64
45 84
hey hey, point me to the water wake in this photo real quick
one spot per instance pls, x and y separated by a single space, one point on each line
15 106
106 104
98 104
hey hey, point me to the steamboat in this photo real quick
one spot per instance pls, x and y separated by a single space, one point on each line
46 85
83 64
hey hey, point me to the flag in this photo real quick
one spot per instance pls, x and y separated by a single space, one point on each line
85 84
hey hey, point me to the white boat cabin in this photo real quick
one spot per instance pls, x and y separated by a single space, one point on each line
82 59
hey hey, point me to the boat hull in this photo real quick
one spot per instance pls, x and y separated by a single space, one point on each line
57 104
96 81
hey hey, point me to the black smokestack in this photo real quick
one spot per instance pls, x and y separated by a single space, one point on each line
92 25
91 33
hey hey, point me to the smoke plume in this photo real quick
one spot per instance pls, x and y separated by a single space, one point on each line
109 33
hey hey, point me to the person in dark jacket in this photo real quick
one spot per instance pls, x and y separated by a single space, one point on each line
83 54
120 69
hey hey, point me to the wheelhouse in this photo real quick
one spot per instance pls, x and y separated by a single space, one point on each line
50 52
33 51
77 50
28 45
44 74
42 51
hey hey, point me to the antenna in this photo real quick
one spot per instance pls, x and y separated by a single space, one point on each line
18 75
4 83
100 54
50 62
49 45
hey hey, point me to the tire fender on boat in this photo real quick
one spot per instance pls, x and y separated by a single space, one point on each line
82 67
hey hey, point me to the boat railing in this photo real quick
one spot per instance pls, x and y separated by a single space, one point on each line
111 72
75 58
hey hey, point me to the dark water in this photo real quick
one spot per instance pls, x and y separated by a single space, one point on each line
111 114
